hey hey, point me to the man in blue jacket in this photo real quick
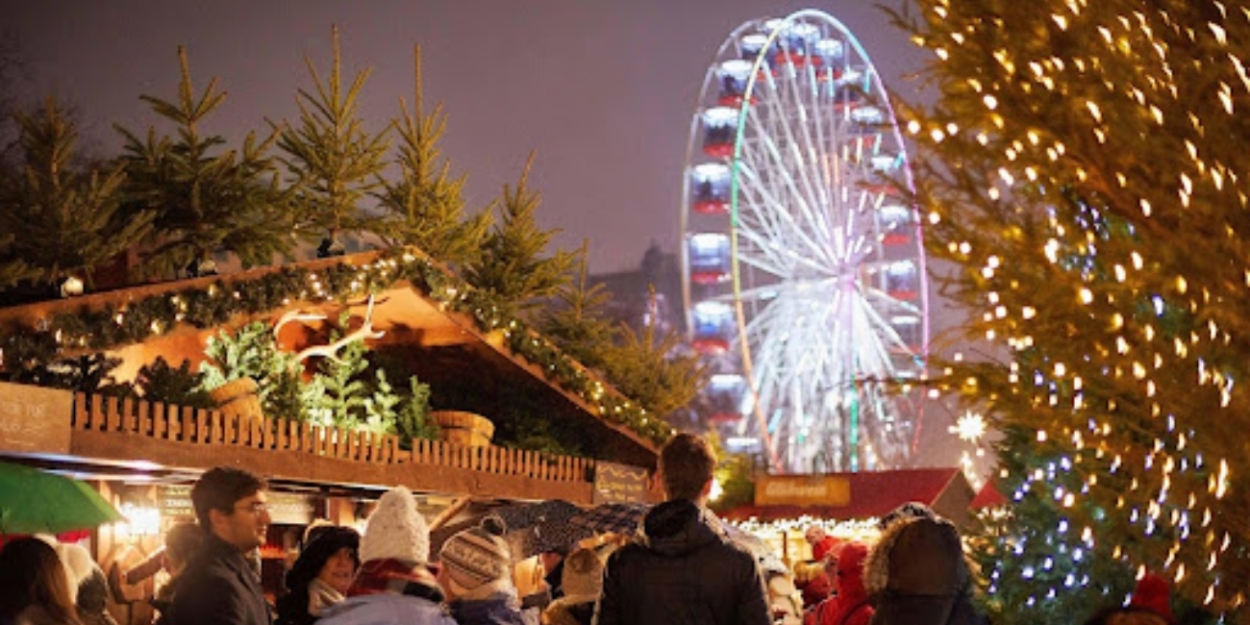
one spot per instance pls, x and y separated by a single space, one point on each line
683 569
220 585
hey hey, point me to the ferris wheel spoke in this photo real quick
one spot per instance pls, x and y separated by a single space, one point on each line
775 161
776 258
782 227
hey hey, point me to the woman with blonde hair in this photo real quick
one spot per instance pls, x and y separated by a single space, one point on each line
34 589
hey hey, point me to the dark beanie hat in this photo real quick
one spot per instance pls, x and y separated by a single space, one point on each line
317 552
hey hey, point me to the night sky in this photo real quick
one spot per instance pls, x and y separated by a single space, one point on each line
602 90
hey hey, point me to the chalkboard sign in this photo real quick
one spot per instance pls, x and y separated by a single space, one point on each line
618 483
35 419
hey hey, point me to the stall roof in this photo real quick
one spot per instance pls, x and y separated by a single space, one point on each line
449 352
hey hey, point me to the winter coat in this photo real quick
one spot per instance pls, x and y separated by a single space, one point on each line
917 575
850 605
682 570
386 609
500 608
219 587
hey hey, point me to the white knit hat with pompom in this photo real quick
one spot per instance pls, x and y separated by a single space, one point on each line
396 530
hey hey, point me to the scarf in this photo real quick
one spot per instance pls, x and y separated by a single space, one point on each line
321 596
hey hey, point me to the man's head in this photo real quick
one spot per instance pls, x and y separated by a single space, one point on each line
686 464
230 504
814 534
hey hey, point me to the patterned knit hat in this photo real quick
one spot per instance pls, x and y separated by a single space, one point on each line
396 530
583 575
478 555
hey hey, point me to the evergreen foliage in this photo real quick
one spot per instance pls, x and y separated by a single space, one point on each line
61 221
180 386
335 162
88 373
424 207
649 370
345 391
1082 167
206 200
736 475
12 268
577 323
512 266
252 352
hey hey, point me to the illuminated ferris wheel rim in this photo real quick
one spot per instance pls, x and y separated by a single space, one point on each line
782 260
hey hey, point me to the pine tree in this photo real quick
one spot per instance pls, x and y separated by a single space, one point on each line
577 323
63 221
424 207
12 268
649 370
206 200
512 266
1081 165
334 160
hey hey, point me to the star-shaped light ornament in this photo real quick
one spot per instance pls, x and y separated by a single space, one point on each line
970 427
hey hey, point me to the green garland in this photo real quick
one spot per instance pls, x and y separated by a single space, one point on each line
215 304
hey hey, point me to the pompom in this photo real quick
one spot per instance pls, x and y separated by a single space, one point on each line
494 525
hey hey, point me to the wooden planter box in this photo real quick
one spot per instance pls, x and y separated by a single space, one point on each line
239 398
464 428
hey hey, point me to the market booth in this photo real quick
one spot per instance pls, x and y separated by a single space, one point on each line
847 505
144 455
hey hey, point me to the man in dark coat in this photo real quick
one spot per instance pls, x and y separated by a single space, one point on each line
220 585
682 568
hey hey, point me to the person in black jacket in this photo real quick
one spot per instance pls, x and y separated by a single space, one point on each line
683 568
220 585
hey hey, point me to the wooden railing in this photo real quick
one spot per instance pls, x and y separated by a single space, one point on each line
213 428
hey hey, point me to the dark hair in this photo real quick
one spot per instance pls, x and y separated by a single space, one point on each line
183 540
31 574
327 541
219 489
686 464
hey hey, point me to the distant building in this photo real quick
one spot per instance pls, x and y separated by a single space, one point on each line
650 294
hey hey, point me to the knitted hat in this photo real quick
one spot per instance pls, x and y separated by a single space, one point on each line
583 575
1153 593
396 530
478 555
329 540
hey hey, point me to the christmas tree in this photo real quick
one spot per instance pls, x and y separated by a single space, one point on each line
206 200
424 207
335 162
513 266
578 323
61 221
1081 167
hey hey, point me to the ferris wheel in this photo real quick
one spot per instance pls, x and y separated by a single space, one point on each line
804 281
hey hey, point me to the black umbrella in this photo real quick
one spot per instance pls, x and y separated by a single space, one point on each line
619 518
520 519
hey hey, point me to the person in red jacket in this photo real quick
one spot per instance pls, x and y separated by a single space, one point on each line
850 605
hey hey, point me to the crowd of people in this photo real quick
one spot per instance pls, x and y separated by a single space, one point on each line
680 567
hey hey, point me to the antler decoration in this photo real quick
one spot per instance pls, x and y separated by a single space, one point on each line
365 331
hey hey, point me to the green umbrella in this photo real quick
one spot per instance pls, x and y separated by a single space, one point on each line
34 501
